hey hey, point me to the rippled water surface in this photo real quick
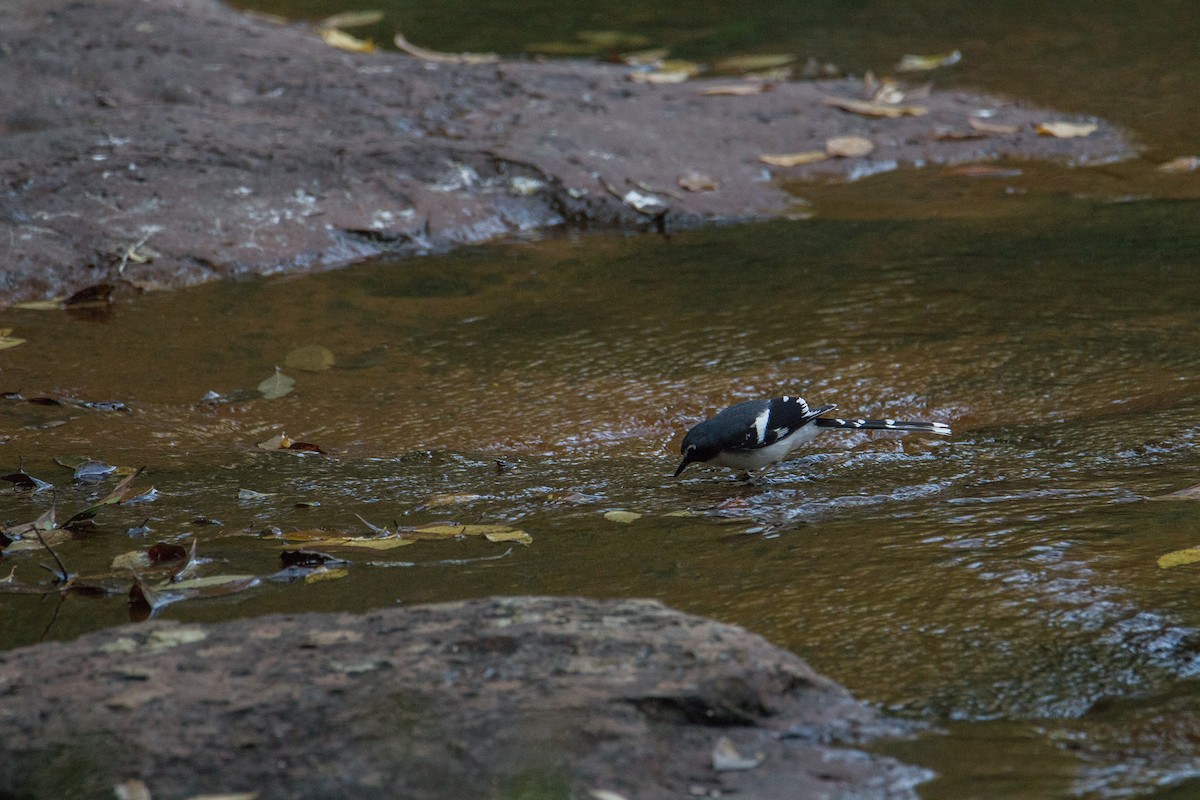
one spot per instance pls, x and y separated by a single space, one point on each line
1003 584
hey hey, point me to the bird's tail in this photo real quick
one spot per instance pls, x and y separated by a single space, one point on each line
938 428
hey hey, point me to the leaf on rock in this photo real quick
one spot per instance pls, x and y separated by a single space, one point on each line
993 127
739 89
726 758
849 146
344 41
442 58
99 294
1066 130
352 19
624 517
310 358
667 72
693 181
1178 558
794 159
753 63
872 109
276 386
912 63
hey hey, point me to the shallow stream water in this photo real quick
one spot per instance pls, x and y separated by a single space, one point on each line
1001 587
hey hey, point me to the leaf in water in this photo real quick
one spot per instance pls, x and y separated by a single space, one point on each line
450 499
99 294
753 63
325 574
1190 493
911 63
280 442
726 758
671 71
872 109
613 40
212 585
983 171
93 471
351 19
135 560
520 537
849 146
1178 558
794 159
1066 130
23 480
249 495
120 493
344 41
54 304
276 386
7 340
307 558
693 181
437 530
625 517
310 358
645 58
1179 165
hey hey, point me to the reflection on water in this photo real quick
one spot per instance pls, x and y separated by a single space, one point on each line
1003 583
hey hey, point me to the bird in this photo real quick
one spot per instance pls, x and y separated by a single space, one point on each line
758 433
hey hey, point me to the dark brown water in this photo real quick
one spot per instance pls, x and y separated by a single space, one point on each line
1002 586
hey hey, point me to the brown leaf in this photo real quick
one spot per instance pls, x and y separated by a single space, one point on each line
992 127
794 159
1066 130
849 146
101 293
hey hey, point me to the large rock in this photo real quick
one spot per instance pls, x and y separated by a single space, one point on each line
171 142
546 697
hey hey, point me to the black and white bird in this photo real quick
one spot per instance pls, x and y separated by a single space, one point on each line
758 433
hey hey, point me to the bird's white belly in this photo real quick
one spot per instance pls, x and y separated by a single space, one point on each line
762 456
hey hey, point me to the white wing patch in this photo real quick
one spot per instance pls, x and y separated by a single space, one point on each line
760 424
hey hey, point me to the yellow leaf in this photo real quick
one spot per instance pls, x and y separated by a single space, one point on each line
521 537
1066 130
1178 558
7 341
344 41
367 542
280 442
870 109
625 517
667 72
442 58
310 358
911 63
41 305
435 529
324 574
753 63
794 159
849 146
351 19
739 89
451 499
992 127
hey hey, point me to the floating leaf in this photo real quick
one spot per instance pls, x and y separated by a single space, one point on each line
438 530
1178 558
671 71
325 574
280 442
351 19
54 304
307 558
344 41
7 340
625 517
120 493
794 159
1066 130
726 758
368 542
521 537
872 109
249 495
93 471
450 499
605 794
983 171
276 386
911 63
1181 164
849 146
1190 493
310 358
645 58
23 480
212 585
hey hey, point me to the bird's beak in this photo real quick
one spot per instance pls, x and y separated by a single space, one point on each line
683 464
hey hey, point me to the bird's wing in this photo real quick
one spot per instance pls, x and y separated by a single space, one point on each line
764 422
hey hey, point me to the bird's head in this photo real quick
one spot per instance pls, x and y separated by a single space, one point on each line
696 447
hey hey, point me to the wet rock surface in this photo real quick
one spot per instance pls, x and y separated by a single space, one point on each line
169 143
482 698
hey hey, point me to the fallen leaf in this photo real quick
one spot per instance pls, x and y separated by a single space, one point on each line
344 41
520 537
625 517
726 758
249 495
366 542
604 794
611 40
671 71
1190 493
911 63
443 58
279 442
310 358
794 159
1181 164
351 19
871 109
697 182
645 203
7 340
753 63
439 530
99 294
983 171
132 789
849 146
739 89
92 472
276 386
645 58
1178 558
54 304
1066 130
450 499
992 127
307 558
212 585
23 480
325 574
